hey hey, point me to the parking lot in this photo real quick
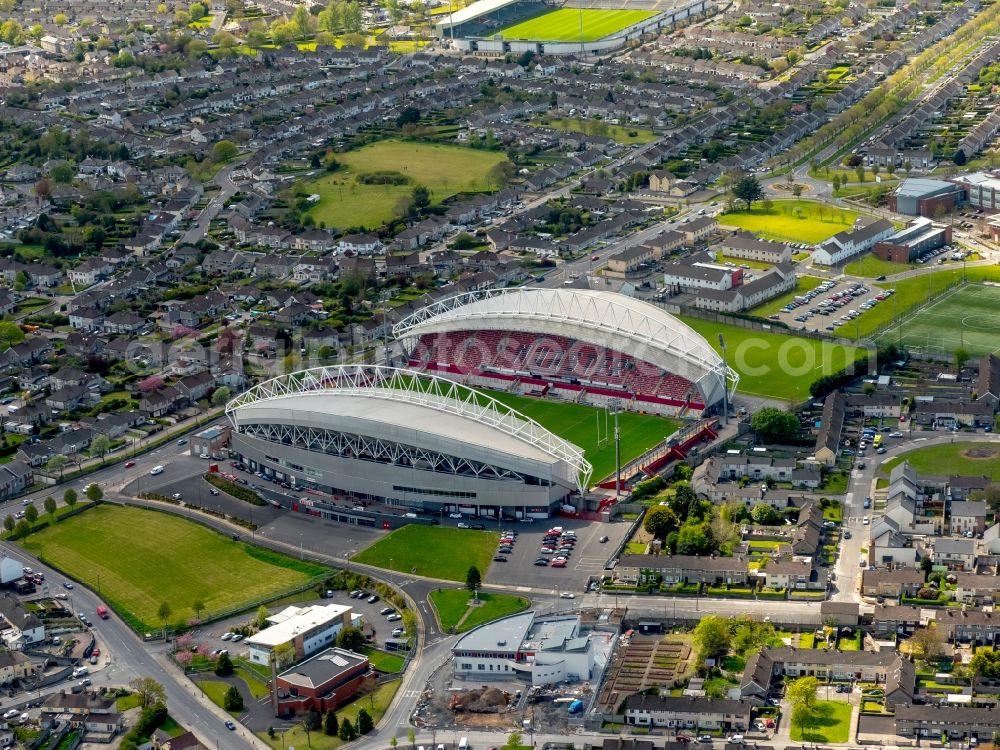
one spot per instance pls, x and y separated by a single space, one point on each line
587 559
832 306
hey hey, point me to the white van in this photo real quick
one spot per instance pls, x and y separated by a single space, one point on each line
736 739
463 744
80 672
156 470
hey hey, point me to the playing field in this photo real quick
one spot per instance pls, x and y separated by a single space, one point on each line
346 200
776 365
575 24
967 318
586 427
792 220
432 551
962 459
137 559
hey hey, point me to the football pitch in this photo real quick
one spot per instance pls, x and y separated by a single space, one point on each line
589 428
575 24
968 318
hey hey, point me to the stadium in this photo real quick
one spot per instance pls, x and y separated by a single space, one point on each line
566 27
583 346
405 439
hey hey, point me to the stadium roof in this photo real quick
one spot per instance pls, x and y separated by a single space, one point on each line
408 407
605 319
470 12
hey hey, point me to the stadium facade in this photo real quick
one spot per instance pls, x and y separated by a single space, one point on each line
404 439
590 347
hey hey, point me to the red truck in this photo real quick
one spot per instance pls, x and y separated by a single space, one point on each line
102 611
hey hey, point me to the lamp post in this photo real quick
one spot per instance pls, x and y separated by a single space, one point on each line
725 387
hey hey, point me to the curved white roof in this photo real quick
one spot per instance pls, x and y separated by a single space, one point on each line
412 408
606 319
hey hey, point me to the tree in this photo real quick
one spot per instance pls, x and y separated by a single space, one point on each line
197 11
473 579
221 395
800 718
56 464
94 492
961 357
514 739
233 701
302 22
224 151
352 639
198 606
764 515
10 334
926 643
22 529
986 662
60 19
420 196
748 189
330 724
9 523
365 723
960 158
224 665
411 736
261 619
774 425
69 496
31 513
100 444
347 732
164 613
803 692
224 41
50 508
660 520
148 691
711 637
313 721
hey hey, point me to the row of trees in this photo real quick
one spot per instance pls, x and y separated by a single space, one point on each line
20 528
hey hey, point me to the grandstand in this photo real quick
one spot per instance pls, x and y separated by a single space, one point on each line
587 347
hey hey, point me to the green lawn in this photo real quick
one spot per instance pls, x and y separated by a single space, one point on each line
142 558
951 458
452 604
792 220
872 266
619 133
444 170
258 688
432 551
215 690
375 705
776 365
914 292
830 723
967 317
802 285
579 425
564 25
384 661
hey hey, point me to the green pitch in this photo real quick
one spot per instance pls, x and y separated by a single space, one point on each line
564 25
776 365
452 551
585 427
968 318
137 559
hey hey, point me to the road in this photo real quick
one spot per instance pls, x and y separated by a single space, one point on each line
227 189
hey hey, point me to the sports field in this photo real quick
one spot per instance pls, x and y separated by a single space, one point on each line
792 220
580 424
432 551
967 459
776 365
564 25
967 318
137 559
347 200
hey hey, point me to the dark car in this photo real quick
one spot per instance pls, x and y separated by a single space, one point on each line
541 561
603 539
682 738
478 527
230 726
213 491
499 558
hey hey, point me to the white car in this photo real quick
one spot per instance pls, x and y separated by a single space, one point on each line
156 470
454 515
463 525
11 713
567 595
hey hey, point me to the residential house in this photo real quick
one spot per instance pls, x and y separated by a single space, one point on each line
683 712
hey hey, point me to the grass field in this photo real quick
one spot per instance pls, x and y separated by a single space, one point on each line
375 704
963 459
871 266
967 318
579 424
777 365
803 284
619 133
137 559
432 551
830 723
564 25
444 170
453 604
383 661
792 221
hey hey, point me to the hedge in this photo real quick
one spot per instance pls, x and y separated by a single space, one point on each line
238 491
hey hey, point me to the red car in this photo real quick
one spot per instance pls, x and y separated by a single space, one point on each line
595 257
129 464
558 564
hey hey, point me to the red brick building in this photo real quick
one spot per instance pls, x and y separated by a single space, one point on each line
325 681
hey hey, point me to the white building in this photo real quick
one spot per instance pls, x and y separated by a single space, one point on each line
539 651
306 629
849 243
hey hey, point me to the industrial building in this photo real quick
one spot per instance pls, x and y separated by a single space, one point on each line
923 196
918 237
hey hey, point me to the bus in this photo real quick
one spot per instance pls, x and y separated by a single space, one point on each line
878 440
